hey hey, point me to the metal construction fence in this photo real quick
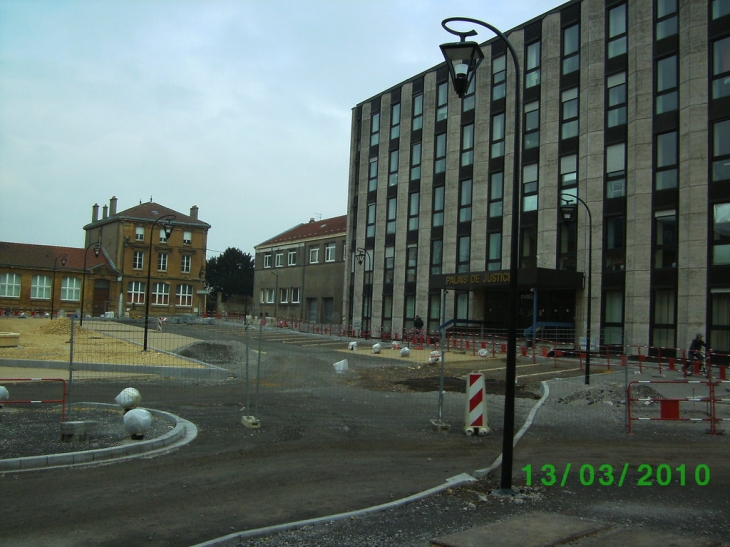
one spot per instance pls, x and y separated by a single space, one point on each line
301 368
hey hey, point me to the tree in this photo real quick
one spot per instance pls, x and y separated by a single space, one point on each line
231 274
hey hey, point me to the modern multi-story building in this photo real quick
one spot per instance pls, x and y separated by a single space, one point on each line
299 274
626 106
138 243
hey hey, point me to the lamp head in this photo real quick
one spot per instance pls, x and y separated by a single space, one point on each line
168 229
64 259
97 250
568 212
462 59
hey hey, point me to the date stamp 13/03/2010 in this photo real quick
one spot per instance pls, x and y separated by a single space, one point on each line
609 475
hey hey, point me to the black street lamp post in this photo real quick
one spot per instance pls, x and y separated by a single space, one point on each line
168 232
64 259
568 210
361 254
97 252
463 59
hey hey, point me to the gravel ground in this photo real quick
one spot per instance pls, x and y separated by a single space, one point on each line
36 432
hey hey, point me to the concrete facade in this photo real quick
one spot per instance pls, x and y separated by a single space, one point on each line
648 157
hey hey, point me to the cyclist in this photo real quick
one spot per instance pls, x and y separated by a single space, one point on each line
696 352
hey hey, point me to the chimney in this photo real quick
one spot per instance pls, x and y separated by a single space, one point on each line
103 214
194 212
113 206
95 212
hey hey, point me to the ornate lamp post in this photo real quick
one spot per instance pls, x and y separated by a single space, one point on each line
168 232
569 213
64 259
97 252
361 254
463 59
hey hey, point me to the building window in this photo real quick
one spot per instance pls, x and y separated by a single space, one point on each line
160 294
186 263
465 199
184 295
496 190
391 212
720 320
437 216
663 326
370 221
395 121
375 128
532 64
434 311
666 172
571 49
10 285
528 247
721 68
163 235
291 258
497 136
666 19
721 151
616 99
139 233
162 262
284 295
461 305
499 77
314 254
389 266
615 243
617 31
532 125
40 287
667 85
414 200
439 162
138 260
469 101
463 254
393 168
665 239
187 237
295 295
442 101
373 174
568 246
494 251
569 114
721 234
330 252
409 309
417 112
529 187
71 289
416 161
613 318
279 260
267 260
467 144
616 170
720 8
568 179
136 292
437 256
411 263
387 322
268 296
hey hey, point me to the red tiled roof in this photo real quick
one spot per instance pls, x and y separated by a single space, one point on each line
150 211
311 230
25 255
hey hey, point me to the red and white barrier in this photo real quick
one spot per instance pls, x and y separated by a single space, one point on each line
476 405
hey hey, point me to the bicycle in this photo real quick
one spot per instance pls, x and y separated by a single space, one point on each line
697 357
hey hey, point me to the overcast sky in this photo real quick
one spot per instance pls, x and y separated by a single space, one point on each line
241 107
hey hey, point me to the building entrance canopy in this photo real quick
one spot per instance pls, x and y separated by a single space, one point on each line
534 278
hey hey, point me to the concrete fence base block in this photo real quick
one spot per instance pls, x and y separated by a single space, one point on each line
77 431
440 426
9 339
250 421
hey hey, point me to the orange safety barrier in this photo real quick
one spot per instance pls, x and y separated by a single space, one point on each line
669 407
62 400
